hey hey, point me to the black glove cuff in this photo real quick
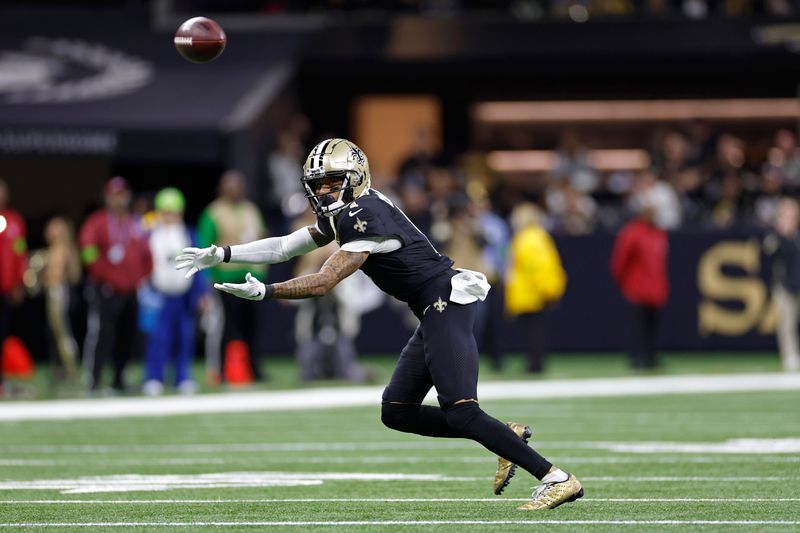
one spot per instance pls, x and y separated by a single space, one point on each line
226 251
269 290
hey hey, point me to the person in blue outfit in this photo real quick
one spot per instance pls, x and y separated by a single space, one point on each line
171 339
375 236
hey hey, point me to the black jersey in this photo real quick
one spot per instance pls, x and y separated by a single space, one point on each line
407 273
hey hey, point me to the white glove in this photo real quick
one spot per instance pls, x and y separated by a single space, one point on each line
251 289
199 259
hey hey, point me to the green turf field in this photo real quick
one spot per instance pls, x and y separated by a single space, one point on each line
342 470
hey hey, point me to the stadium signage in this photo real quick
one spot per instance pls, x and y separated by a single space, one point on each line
62 141
735 297
53 70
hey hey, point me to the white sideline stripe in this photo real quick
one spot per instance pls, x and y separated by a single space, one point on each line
126 462
788 445
410 523
397 500
161 482
729 447
397 460
256 447
326 398
149 483
671 460
689 478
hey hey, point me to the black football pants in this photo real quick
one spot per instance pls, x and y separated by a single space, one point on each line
442 353
111 334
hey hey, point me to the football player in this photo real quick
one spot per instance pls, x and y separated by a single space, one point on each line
377 237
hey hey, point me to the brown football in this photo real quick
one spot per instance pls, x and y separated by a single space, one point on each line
200 39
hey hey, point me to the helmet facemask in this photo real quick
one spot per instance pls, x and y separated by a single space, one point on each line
334 200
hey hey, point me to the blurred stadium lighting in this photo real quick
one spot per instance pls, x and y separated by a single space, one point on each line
521 160
578 13
545 160
636 110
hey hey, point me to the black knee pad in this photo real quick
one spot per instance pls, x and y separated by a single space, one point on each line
461 416
398 415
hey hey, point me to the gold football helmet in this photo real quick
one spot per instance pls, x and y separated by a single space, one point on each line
339 161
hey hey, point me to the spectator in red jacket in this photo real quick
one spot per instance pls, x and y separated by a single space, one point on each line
13 260
117 258
639 266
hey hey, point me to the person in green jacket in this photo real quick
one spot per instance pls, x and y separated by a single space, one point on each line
231 219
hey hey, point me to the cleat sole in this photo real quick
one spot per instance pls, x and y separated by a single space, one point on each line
527 432
511 471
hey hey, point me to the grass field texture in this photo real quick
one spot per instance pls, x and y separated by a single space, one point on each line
708 462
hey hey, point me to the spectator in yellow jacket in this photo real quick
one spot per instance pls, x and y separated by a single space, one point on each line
535 280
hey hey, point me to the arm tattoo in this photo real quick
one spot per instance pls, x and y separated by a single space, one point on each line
318 237
338 266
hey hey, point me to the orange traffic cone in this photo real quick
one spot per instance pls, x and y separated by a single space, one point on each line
237 368
17 360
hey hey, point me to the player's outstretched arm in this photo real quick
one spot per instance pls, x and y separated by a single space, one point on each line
279 249
265 251
338 266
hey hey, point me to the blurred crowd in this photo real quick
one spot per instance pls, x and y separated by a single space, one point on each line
698 178
119 262
578 10
531 10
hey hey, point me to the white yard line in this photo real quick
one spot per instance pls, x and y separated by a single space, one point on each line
165 482
256 447
649 460
390 500
162 482
120 462
730 447
690 478
326 398
389 460
353 523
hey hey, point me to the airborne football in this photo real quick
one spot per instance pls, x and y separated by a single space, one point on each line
200 39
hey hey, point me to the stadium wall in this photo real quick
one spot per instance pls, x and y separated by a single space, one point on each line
719 300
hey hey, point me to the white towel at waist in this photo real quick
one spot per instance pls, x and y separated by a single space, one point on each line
468 286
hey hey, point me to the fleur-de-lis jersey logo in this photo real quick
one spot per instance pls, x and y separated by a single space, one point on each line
360 225
439 304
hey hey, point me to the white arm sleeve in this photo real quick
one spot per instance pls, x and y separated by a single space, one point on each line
274 249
